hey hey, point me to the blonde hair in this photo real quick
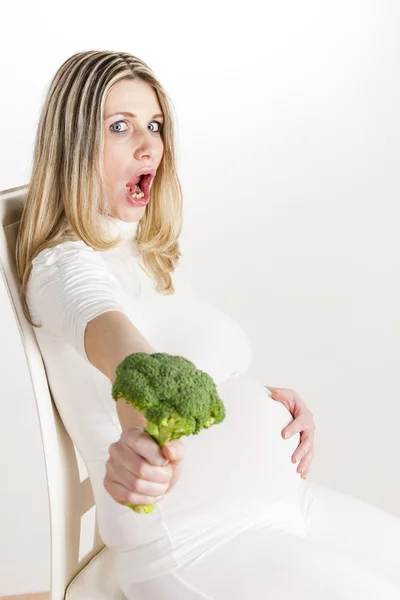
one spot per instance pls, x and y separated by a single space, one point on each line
67 190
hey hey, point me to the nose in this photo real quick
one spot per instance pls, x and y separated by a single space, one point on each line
145 144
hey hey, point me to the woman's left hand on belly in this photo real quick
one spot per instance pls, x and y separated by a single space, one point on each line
303 423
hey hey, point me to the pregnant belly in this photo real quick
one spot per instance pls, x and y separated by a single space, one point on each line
236 475
237 469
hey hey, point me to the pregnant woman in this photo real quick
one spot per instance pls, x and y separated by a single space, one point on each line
97 257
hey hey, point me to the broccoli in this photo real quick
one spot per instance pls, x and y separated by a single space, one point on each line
176 398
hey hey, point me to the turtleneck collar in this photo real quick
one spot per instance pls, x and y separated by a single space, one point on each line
116 227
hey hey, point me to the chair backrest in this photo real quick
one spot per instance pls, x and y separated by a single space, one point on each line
70 494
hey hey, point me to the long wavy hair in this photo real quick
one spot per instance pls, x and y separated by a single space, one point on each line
67 191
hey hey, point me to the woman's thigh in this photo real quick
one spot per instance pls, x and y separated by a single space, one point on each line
266 564
356 529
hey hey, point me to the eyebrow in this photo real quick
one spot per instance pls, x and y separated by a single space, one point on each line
129 114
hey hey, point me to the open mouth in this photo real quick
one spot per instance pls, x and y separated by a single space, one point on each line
142 187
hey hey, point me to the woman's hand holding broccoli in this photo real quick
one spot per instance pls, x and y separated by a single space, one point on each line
138 471
177 399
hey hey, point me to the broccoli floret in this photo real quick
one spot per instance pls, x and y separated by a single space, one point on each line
176 398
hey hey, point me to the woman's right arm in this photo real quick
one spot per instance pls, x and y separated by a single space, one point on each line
138 471
109 338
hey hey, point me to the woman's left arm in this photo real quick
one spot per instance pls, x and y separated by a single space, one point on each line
303 423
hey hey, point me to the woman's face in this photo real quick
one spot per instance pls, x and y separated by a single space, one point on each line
131 142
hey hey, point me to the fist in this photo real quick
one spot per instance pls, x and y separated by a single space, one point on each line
138 471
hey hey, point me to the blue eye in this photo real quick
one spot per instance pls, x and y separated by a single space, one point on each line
117 123
125 130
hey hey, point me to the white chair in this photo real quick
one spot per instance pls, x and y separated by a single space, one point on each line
71 577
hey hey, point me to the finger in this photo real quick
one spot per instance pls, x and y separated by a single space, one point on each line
287 398
142 443
271 388
177 469
293 402
123 495
298 425
305 463
302 449
117 472
135 464
290 394
304 475
174 450
149 488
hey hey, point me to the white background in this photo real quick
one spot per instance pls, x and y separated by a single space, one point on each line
288 121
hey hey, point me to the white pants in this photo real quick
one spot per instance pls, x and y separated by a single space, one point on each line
351 551
297 539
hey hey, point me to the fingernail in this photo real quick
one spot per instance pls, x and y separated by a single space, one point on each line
287 433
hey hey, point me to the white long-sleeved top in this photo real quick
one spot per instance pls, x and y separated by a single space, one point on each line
71 284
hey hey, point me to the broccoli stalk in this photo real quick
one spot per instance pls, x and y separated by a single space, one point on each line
176 398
